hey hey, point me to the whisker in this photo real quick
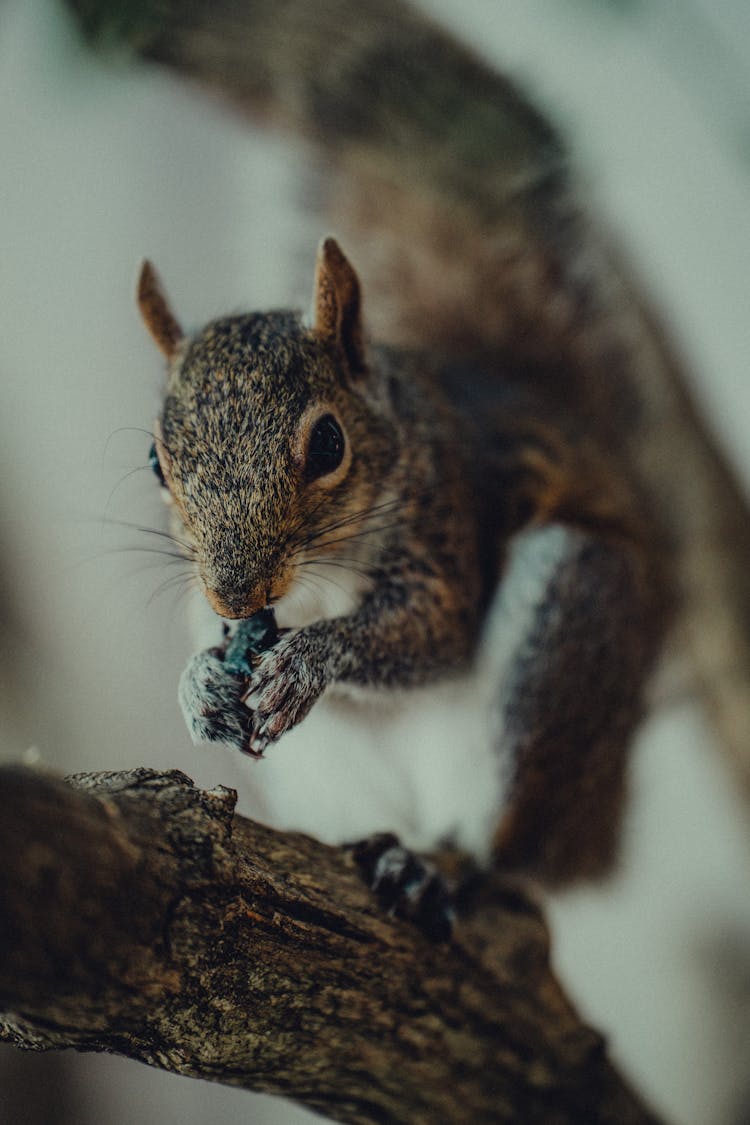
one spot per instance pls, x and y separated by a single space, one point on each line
331 582
191 584
150 531
121 481
169 583
361 515
318 538
351 567
304 519
178 556
134 430
165 558
308 581
145 568
341 561
121 430
352 537
388 507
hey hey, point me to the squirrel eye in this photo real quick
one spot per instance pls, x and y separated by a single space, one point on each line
153 461
326 449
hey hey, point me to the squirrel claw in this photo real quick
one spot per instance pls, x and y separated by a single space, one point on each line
256 744
265 728
252 748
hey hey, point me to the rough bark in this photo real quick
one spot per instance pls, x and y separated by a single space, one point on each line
141 916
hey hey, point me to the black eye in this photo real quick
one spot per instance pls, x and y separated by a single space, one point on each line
153 461
326 450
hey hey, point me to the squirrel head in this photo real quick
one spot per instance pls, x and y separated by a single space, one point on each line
271 444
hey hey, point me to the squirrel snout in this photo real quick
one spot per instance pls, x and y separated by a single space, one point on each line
236 603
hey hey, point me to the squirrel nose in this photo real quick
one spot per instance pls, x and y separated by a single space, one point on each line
232 603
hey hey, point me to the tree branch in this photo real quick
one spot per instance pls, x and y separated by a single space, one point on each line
141 916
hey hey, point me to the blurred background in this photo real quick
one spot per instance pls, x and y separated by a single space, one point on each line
103 162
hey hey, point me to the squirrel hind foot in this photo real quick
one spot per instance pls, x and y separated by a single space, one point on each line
406 885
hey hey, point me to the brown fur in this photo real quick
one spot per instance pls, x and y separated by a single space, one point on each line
533 399
157 316
580 682
442 466
337 303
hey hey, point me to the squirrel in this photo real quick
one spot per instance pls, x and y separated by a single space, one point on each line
456 494
430 532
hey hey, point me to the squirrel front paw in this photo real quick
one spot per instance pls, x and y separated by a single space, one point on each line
210 696
285 684
259 685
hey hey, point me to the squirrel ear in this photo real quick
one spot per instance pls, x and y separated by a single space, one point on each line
337 304
156 313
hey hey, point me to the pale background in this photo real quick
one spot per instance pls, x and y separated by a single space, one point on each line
102 163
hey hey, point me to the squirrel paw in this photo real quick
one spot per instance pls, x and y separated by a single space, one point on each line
406 885
210 697
284 686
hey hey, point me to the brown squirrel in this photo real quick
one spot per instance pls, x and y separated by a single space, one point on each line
526 495
414 520
474 241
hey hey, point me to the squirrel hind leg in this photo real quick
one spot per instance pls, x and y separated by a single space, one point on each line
571 699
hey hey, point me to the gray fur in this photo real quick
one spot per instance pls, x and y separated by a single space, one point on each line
448 467
210 700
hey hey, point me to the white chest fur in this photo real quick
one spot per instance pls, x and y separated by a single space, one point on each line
327 590
428 763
